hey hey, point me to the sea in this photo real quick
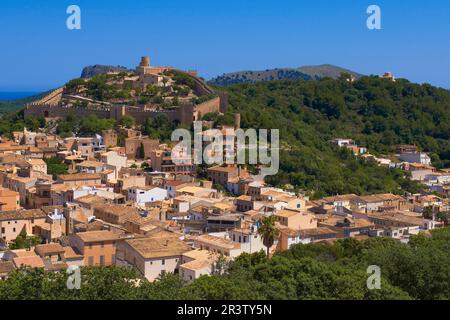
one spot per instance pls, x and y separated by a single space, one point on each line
14 95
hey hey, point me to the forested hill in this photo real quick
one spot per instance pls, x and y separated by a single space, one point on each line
305 73
14 105
376 112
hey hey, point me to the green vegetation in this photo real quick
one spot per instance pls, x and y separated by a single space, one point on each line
14 121
158 127
86 126
418 270
219 119
268 231
181 78
375 112
24 242
7 106
55 167
204 98
127 121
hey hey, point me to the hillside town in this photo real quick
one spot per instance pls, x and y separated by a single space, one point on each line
126 203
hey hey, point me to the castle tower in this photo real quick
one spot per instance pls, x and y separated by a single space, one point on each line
145 61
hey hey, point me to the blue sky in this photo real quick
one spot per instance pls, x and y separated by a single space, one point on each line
38 52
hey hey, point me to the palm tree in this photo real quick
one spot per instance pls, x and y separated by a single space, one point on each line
268 231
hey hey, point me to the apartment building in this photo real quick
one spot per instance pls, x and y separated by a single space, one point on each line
97 247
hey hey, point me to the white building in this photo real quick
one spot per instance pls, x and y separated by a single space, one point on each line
417 157
142 195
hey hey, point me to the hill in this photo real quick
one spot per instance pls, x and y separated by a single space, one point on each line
305 73
375 112
14 105
91 71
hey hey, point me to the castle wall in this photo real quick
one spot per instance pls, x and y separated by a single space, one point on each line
62 112
212 105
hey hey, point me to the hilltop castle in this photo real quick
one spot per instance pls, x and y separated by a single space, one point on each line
149 90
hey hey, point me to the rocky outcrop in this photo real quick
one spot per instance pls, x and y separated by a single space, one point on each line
91 71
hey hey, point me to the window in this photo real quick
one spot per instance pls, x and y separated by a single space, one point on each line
3 230
14 229
102 260
163 262
90 261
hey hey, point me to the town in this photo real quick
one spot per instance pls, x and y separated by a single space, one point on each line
122 200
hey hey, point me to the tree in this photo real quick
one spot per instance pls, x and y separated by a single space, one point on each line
141 151
268 231
127 121
443 216
428 212
55 166
23 241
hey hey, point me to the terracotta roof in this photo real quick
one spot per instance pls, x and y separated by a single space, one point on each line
97 236
50 248
216 241
79 176
287 213
90 163
306 233
22 214
343 197
70 254
175 183
29 261
34 162
223 169
155 247
115 209
244 198
6 267
90 199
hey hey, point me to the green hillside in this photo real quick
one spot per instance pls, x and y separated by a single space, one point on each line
375 112
305 73
14 105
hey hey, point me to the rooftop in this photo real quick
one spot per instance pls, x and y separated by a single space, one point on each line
6 267
29 261
216 241
79 176
97 236
22 214
159 246
50 248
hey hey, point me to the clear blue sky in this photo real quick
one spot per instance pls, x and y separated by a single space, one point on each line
38 52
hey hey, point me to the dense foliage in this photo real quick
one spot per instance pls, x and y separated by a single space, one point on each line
23 241
14 121
418 270
55 166
375 112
